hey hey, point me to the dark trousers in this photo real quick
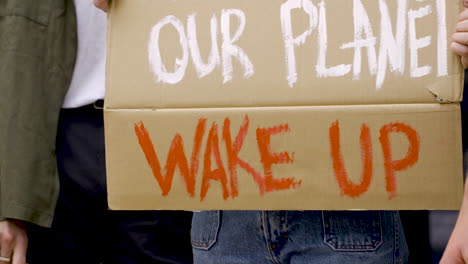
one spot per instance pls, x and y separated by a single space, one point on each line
84 230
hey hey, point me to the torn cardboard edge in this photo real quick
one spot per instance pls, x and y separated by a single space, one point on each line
446 90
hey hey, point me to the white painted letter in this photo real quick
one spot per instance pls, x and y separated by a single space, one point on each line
442 69
362 26
289 41
416 44
214 59
155 59
391 48
322 70
229 50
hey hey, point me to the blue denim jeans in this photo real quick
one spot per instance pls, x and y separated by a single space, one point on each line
297 237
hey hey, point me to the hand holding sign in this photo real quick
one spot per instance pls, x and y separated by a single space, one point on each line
460 37
102 4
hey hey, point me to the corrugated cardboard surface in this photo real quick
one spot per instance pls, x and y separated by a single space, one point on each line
300 118
431 183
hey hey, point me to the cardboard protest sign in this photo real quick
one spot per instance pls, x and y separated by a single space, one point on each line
285 104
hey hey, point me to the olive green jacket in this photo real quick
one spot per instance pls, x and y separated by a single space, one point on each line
37 55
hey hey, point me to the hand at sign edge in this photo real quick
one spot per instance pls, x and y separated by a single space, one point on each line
459 39
102 4
13 241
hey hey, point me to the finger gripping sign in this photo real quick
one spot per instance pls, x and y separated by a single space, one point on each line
280 105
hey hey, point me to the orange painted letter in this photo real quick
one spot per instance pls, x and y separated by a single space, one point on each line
233 150
219 174
391 165
269 158
175 158
347 187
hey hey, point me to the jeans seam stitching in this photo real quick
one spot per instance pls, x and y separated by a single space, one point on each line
397 240
205 245
333 247
267 238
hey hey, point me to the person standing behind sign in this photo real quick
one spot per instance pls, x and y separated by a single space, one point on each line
302 237
37 51
319 237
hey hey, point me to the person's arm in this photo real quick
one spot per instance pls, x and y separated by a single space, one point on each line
456 251
457 248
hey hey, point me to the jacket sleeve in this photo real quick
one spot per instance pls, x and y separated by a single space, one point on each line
37 49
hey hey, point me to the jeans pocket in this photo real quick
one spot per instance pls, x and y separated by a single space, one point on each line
352 230
205 227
